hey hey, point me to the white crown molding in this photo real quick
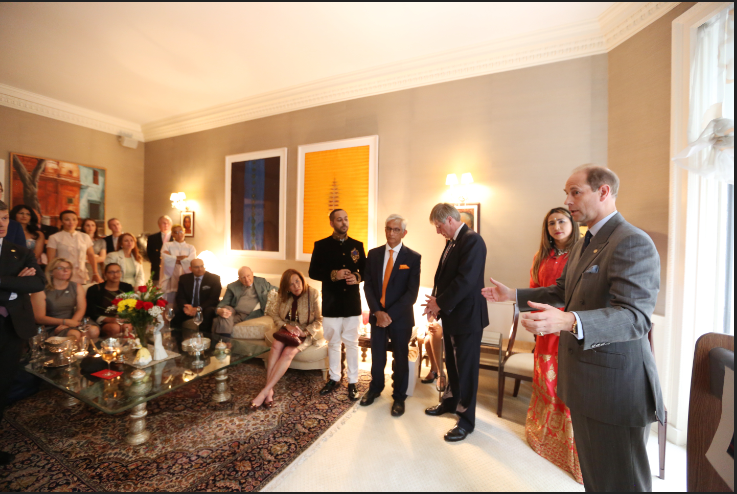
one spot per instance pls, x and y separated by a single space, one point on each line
48 107
625 19
617 24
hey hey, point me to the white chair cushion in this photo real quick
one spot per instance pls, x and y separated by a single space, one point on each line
253 329
522 364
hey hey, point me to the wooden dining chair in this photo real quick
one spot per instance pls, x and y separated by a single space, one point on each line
518 366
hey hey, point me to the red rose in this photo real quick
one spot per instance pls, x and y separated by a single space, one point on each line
142 289
116 301
139 304
161 302
148 305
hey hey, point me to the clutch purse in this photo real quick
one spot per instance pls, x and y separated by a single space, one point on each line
287 337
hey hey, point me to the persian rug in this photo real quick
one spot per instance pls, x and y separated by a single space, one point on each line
195 445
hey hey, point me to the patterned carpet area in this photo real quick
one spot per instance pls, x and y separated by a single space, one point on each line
195 445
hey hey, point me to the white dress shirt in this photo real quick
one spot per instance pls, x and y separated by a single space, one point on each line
386 257
13 295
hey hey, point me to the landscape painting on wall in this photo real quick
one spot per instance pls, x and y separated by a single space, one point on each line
51 186
256 204
337 175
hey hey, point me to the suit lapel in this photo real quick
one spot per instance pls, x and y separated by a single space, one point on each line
593 251
398 262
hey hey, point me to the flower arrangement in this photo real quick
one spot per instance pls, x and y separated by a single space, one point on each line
140 307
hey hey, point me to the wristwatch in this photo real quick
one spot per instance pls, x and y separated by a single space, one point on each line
574 328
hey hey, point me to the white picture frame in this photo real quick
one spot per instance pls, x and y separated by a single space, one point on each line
281 153
373 143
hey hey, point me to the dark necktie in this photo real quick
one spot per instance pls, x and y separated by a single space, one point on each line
196 298
586 240
447 251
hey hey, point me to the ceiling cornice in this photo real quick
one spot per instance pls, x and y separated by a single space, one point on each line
58 110
617 24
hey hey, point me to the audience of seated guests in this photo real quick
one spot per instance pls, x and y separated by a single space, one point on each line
244 299
129 260
112 241
89 226
100 297
61 306
155 243
28 220
198 289
298 310
175 258
74 246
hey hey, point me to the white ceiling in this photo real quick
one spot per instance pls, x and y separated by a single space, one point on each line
147 62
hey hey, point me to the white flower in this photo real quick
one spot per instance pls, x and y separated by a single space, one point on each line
155 311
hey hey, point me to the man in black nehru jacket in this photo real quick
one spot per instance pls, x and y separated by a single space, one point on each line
338 262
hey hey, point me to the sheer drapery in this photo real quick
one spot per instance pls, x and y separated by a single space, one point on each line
710 152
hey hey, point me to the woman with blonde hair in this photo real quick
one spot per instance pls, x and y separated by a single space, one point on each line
129 260
548 426
60 307
297 314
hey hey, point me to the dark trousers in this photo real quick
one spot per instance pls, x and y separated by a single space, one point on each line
208 315
11 348
612 457
400 335
462 354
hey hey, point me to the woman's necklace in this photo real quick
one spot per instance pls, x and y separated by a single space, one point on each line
559 252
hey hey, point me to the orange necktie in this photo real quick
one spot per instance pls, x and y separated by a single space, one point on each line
387 274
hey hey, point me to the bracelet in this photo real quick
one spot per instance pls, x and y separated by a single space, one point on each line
333 275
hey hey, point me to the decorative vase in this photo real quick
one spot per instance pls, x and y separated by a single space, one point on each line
159 350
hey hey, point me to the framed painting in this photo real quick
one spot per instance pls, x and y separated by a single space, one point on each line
51 186
337 175
187 222
3 181
256 204
470 215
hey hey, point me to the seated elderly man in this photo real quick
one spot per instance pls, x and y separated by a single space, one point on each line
244 299
198 289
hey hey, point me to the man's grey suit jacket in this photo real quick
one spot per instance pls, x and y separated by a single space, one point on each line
610 375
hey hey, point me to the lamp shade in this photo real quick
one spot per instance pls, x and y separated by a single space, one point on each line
466 179
451 179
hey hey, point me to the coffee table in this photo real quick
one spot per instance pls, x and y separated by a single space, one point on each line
125 393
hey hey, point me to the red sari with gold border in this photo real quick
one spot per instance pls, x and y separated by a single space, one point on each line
548 427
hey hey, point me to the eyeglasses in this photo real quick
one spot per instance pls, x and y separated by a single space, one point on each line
393 230
63 268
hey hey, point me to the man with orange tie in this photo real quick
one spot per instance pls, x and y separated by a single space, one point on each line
391 284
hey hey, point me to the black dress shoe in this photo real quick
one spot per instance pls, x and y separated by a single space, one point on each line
329 386
369 398
430 378
352 392
437 410
457 433
397 408
6 458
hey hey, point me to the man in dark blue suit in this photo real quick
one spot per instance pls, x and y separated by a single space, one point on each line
19 277
457 302
391 283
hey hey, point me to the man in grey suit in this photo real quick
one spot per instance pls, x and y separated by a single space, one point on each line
606 374
244 299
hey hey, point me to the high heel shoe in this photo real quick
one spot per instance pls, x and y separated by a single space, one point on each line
269 404
428 379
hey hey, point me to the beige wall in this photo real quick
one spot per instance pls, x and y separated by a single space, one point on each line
519 133
639 130
27 133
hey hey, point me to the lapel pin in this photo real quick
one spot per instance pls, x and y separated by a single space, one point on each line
596 250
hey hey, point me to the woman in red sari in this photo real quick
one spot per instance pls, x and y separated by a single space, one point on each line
548 428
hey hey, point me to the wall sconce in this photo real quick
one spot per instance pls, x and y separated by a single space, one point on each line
179 201
463 191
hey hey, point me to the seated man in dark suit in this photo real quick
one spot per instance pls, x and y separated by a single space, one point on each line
391 283
19 277
198 289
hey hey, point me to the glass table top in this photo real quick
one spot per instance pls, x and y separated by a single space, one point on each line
123 393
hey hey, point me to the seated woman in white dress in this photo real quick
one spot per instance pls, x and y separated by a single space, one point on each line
129 260
175 258
74 246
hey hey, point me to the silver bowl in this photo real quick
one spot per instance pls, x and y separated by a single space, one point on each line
186 347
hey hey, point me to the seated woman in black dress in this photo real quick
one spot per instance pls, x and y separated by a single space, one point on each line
100 298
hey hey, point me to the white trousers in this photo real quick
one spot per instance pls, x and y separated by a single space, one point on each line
344 330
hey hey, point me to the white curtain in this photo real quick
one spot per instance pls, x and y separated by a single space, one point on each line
710 152
710 161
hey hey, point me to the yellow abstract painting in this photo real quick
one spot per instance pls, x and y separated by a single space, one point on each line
336 179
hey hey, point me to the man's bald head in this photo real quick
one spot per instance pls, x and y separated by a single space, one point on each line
197 266
245 276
